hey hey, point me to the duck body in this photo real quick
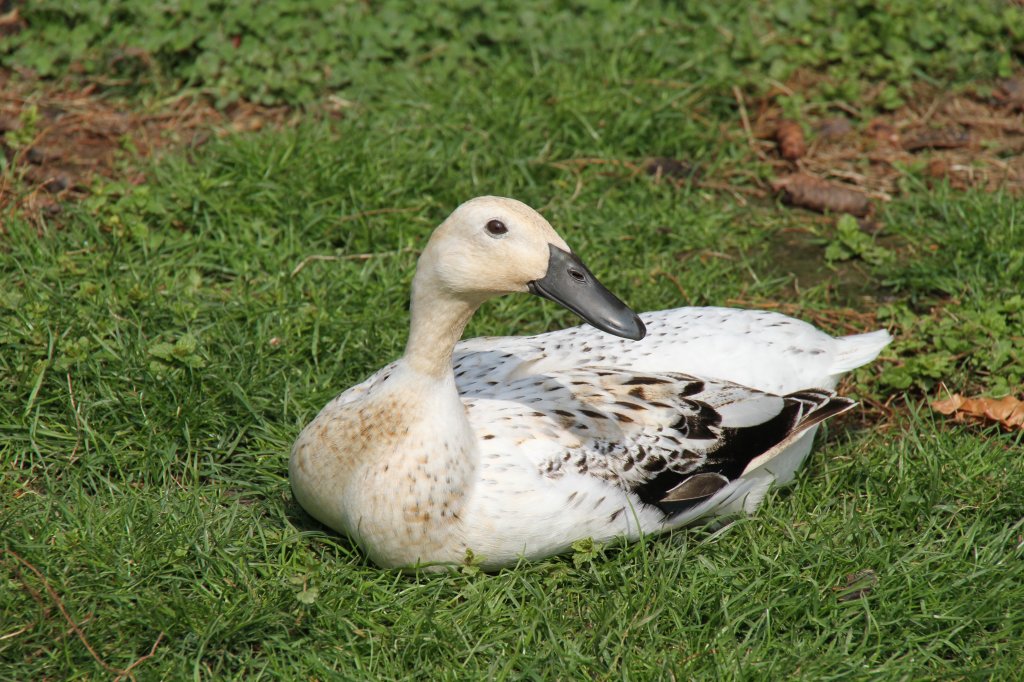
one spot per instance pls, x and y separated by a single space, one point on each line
503 448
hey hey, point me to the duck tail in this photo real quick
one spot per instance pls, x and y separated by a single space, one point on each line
858 350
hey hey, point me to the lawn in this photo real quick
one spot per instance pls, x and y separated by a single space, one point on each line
164 339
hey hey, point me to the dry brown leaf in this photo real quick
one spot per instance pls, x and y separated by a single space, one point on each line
943 138
791 140
1008 411
801 189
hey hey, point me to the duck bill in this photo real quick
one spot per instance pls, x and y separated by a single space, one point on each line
569 283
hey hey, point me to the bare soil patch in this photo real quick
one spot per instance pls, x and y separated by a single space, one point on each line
58 138
971 140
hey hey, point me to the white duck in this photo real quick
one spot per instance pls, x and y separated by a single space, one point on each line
503 448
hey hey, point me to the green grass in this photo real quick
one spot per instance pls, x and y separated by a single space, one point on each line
158 358
287 52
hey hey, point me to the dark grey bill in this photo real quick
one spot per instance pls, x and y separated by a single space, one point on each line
568 282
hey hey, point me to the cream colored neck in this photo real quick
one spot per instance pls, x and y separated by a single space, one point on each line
438 321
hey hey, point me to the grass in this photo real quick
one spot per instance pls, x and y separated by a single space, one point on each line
159 357
280 53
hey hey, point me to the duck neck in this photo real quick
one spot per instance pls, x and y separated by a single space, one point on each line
438 321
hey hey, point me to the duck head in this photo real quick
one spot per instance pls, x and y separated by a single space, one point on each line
492 245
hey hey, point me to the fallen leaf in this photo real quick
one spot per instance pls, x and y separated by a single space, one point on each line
807 191
791 140
1008 411
943 138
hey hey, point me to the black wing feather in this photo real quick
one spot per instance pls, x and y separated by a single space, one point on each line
739 446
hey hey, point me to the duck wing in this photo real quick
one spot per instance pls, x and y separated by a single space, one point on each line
672 440
762 349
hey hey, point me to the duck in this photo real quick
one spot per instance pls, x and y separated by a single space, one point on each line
496 450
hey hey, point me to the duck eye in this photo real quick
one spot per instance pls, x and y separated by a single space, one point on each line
496 228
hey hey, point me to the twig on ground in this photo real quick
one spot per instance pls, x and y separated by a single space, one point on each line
582 162
661 83
17 632
932 108
152 650
736 192
579 188
745 121
34 593
576 167
82 623
672 278
352 256
120 673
